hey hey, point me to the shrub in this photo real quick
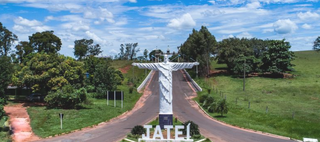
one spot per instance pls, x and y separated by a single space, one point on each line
90 88
194 129
202 98
130 90
222 107
212 107
208 102
138 130
66 97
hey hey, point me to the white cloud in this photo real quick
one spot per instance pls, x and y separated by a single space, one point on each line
95 37
284 26
308 16
306 26
212 2
23 25
76 26
26 22
186 21
244 35
254 5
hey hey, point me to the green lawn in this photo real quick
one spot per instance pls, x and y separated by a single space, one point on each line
293 104
46 122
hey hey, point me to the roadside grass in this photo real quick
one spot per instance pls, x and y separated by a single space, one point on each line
288 107
4 131
46 122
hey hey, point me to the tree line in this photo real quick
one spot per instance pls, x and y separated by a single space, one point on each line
239 54
36 64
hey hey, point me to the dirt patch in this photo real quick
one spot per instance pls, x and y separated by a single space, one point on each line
20 123
125 69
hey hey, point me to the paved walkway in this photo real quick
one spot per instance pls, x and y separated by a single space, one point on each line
20 123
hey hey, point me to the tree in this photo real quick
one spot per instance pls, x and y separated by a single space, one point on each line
277 59
106 77
95 50
6 71
128 51
7 38
85 47
45 42
23 49
50 72
316 44
199 46
152 54
91 64
145 54
222 107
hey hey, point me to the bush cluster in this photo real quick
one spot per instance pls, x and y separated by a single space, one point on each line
66 97
194 128
138 130
212 105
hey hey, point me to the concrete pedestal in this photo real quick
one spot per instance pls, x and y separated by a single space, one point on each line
165 119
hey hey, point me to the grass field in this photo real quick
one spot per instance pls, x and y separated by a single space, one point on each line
293 104
46 122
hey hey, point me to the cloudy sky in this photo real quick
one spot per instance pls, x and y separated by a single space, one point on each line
162 24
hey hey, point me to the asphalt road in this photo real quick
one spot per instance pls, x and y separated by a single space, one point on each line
183 108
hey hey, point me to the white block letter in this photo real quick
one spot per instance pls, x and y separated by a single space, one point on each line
177 132
188 131
157 133
168 127
148 132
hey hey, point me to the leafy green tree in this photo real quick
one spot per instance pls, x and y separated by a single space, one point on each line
86 47
316 44
234 52
277 59
6 71
7 38
222 107
23 49
91 64
45 42
106 77
199 46
50 72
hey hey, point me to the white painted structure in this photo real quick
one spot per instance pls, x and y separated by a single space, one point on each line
165 80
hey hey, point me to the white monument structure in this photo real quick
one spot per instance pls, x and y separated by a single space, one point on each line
165 85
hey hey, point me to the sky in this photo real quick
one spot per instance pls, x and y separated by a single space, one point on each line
162 24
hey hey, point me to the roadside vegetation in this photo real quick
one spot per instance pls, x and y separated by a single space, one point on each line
283 106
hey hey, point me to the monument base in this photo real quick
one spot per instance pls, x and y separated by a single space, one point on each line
165 119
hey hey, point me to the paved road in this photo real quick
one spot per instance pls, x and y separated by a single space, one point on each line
182 109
